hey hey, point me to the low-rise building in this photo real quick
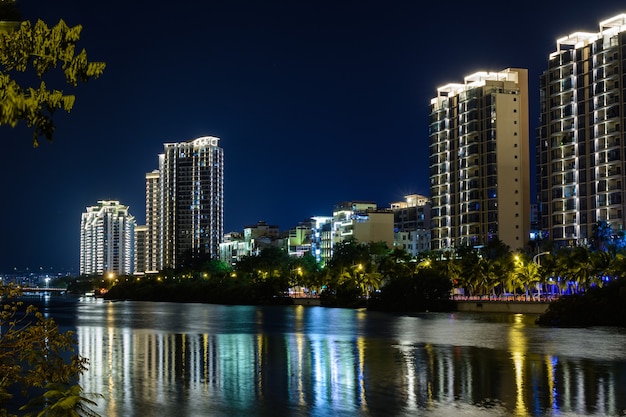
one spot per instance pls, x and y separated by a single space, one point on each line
411 221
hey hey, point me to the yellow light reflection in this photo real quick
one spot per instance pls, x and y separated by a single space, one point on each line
518 346
360 344
260 342
550 368
300 375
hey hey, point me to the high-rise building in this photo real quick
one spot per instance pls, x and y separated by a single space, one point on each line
580 139
190 217
479 161
107 239
153 254
140 257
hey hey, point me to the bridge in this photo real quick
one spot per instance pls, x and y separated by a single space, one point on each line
29 290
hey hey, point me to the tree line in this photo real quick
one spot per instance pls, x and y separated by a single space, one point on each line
375 276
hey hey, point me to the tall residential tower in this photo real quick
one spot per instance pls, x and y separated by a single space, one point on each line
580 139
153 254
185 204
106 239
479 161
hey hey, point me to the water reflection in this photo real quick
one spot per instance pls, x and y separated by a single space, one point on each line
316 361
517 341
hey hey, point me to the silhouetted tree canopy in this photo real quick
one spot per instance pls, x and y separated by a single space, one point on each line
38 50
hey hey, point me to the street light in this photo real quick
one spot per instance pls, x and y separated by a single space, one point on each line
537 256
537 261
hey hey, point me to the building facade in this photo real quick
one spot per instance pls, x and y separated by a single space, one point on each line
298 240
411 223
320 226
479 161
141 232
233 248
107 239
153 254
580 139
413 242
185 204
358 220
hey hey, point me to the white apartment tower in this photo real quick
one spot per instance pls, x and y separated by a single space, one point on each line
107 239
185 203
479 161
580 139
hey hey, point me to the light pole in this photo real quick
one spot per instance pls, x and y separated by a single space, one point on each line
537 261
537 256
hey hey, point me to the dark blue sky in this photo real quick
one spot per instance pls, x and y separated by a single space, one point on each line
315 102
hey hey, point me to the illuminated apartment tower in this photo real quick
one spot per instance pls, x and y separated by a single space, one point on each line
153 254
580 147
479 161
140 249
191 201
106 239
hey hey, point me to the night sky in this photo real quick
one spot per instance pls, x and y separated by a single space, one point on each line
315 102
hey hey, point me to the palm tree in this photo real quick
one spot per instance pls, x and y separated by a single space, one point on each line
450 268
582 267
617 266
467 277
548 271
563 267
396 264
369 282
527 275
602 263
602 235
481 276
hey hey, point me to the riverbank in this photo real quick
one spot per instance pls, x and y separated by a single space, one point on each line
473 306
306 301
496 306
599 306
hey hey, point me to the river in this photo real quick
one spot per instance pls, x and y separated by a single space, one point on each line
166 359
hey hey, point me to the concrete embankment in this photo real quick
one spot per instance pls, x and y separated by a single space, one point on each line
487 306
306 301
493 306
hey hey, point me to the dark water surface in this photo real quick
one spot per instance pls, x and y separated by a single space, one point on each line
165 359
